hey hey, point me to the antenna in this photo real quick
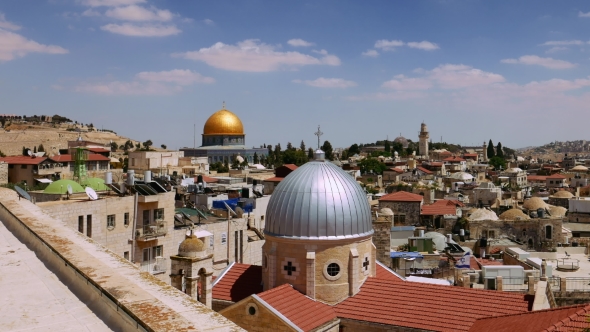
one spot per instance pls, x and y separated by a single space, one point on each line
91 194
70 190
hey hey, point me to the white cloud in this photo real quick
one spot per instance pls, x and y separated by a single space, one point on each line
110 3
556 49
451 76
400 82
538 61
328 83
146 83
178 76
91 13
208 21
299 43
13 45
424 45
4 24
139 14
580 14
388 45
145 30
371 53
254 56
563 43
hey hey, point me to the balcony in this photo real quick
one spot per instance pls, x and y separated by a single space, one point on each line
157 265
151 231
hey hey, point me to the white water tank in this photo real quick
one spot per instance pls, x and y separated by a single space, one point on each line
108 178
130 177
147 176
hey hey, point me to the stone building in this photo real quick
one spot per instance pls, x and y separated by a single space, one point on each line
3 172
560 198
406 207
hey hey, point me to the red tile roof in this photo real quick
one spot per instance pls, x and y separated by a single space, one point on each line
23 160
291 166
428 307
436 164
385 273
470 155
239 282
422 169
473 263
449 202
395 169
564 319
98 150
68 157
454 159
401 196
438 210
536 178
301 310
556 176
207 179
274 179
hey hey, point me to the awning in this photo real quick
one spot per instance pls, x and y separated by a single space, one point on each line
405 254
200 233
44 180
115 160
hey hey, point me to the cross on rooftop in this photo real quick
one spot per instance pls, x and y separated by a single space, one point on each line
366 263
318 134
290 268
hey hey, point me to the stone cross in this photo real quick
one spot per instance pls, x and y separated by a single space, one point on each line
290 268
318 134
366 263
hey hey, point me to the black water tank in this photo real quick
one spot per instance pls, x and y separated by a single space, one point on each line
199 179
245 193
255 182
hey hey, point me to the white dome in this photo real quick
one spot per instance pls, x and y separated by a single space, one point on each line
461 176
318 201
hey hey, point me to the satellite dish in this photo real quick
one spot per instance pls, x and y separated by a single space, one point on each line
240 159
91 194
70 190
29 153
22 193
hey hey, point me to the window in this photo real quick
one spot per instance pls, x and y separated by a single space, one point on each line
126 219
211 241
111 221
223 238
158 251
81 224
146 217
132 161
399 218
333 269
548 232
11 166
89 225
23 166
126 255
159 214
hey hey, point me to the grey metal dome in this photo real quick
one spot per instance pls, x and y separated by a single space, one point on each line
318 201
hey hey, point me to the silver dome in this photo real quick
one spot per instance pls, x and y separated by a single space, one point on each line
318 201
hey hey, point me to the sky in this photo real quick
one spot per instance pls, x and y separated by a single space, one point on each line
511 71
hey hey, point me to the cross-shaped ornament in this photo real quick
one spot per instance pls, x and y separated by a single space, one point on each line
366 263
290 268
318 134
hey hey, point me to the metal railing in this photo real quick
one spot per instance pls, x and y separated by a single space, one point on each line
155 229
436 273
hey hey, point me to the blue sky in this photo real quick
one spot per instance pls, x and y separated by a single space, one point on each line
515 72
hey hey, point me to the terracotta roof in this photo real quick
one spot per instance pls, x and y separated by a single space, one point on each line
470 155
572 318
385 273
291 166
301 310
401 196
536 178
98 150
495 250
422 169
395 169
556 176
23 160
449 202
436 164
445 153
453 159
239 282
438 210
428 307
68 157
473 263
274 179
208 179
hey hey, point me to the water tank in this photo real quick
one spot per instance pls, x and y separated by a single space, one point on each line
130 177
421 233
541 212
245 193
108 178
254 182
199 179
147 176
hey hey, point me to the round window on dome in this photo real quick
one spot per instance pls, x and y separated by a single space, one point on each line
333 269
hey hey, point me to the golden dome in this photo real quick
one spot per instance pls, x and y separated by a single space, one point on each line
223 122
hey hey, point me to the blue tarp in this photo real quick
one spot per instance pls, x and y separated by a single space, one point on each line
405 254
233 203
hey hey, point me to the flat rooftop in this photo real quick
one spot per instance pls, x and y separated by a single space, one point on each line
33 298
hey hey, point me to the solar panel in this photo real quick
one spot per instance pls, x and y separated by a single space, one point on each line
147 189
201 214
141 191
185 215
157 187
22 193
115 189
258 193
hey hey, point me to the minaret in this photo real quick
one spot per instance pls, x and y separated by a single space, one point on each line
424 136
485 151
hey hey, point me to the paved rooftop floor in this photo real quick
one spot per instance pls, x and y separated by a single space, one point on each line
33 298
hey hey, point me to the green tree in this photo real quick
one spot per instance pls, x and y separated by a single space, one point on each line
2 154
25 153
354 149
163 146
499 151
147 144
387 146
373 165
302 146
34 149
256 159
289 146
41 148
491 151
327 148
114 146
310 154
497 162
